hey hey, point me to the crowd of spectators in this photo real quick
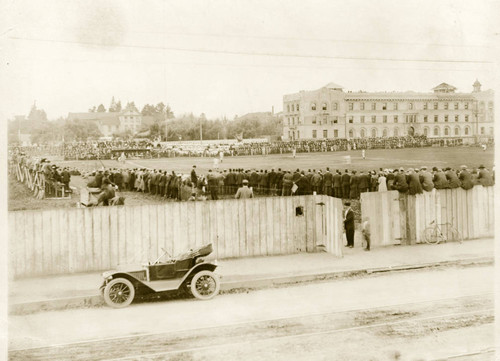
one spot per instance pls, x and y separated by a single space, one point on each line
94 150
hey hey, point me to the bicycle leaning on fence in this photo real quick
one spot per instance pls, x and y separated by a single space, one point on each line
441 232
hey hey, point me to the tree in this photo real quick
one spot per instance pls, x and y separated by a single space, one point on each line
131 107
37 115
93 109
115 107
101 109
80 130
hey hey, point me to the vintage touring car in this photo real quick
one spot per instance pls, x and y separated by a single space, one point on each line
187 272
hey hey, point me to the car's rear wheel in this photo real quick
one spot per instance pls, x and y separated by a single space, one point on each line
119 293
205 285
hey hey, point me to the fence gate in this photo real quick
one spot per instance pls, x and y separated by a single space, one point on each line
386 215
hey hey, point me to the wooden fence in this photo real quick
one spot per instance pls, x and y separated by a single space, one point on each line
93 239
396 218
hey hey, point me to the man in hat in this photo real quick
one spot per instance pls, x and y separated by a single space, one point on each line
400 183
465 178
244 192
426 179
349 224
484 177
440 181
452 178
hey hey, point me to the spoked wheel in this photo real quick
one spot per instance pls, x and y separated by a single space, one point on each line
205 285
119 293
432 235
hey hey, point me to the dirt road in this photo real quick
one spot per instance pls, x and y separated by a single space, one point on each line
418 315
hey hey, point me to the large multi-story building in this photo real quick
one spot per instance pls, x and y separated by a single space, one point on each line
329 113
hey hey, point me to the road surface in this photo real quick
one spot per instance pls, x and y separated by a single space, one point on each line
418 315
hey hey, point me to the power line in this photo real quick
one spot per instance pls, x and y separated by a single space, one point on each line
287 38
232 52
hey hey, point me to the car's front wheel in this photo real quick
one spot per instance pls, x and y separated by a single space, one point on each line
205 285
119 293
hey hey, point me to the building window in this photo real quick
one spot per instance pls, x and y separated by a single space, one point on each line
351 106
435 105
446 131
491 131
288 108
457 131
289 121
395 119
374 132
362 134
325 133
362 119
298 134
293 106
323 106
374 118
297 107
456 118
436 131
314 120
425 118
446 106
481 105
325 119
384 106
313 106
374 106
410 106
456 106
395 106
335 133
385 119
335 106
490 105
335 120
289 135
466 118
445 118
482 130
396 132
466 131
351 133
425 106
426 131
466 106
314 133
436 119
351 119
384 133
293 120
362 106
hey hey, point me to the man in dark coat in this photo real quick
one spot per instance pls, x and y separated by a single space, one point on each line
213 185
349 225
296 176
390 180
426 180
272 182
363 182
354 186
452 178
400 183
254 181
484 177
304 186
287 184
131 180
264 182
316 182
440 181
328 182
346 184
162 183
337 184
414 185
194 177
279 181
465 178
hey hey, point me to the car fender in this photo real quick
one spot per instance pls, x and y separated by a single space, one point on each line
205 266
109 275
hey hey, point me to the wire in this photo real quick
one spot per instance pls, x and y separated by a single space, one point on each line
231 52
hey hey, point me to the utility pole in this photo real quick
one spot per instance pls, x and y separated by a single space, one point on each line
201 133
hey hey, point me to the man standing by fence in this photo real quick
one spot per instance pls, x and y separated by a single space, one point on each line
349 225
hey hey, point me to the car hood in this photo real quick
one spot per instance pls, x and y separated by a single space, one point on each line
123 268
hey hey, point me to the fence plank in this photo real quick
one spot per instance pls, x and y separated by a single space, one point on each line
113 237
199 231
161 235
491 211
30 254
153 253
79 239
46 242
188 209
221 232
263 227
105 245
270 225
177 244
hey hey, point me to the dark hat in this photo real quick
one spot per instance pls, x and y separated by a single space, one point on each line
481 166
347 203
245 181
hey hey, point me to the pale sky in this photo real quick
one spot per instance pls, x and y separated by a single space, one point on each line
222 57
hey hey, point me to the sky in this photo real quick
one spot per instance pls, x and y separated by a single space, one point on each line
227 57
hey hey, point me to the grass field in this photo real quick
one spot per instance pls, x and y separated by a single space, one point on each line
20 197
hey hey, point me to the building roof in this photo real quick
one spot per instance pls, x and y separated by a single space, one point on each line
332 85
110 121
444 87
476 83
